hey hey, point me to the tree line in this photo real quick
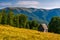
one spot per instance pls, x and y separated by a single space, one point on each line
17 20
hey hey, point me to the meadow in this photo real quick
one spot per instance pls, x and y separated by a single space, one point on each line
12 33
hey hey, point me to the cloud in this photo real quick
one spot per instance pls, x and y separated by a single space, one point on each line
5 4
30 3
33 4
51 5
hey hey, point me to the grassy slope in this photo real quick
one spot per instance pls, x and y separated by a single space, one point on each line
11 33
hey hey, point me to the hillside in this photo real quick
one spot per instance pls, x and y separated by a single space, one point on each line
41 15
11 33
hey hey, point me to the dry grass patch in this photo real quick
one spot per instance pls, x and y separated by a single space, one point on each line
11 33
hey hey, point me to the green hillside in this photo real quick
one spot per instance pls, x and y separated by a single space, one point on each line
11 33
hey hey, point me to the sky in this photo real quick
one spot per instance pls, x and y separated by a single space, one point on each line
46 4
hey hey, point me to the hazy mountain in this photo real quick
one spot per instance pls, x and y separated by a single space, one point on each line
41 15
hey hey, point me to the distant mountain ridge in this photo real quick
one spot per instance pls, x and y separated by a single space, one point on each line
41 15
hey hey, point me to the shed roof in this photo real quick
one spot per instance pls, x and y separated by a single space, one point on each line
44 26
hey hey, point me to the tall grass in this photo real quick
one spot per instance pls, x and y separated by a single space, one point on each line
11 33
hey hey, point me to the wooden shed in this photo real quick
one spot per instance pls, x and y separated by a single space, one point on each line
43 28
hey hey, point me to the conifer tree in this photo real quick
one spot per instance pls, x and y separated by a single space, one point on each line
22 20
0 17
10 18
16 20
4 17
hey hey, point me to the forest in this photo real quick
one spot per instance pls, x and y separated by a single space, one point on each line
21 21
17 20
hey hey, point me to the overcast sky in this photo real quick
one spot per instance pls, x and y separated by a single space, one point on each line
46 4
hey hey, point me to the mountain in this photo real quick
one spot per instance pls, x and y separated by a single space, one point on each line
52 13
41 15
12 33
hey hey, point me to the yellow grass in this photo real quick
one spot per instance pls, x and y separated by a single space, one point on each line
11 33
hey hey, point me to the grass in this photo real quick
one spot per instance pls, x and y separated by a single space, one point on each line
11 33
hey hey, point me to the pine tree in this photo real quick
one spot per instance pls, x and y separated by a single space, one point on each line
22 20
4 17
10 18
0 17
16 20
